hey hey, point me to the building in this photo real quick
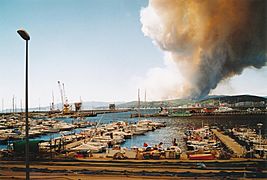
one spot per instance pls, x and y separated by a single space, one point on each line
112 106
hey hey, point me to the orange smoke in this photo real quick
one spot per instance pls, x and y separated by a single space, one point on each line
211 39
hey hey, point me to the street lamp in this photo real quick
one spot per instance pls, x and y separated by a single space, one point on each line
26 37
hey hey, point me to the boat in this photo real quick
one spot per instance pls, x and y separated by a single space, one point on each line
223 109
91 146
260 151
201 157
126 135
139 131
180 114
163 112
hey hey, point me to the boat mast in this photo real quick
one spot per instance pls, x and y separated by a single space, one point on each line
2 105
145 103
138 103
15 101
39 105
145 98
21 105
53 102
13 104
61 94
64 93
81 102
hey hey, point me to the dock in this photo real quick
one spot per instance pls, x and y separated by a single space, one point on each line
238 150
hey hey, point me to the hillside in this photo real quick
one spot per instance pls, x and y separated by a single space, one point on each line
208 99
236 99
156 104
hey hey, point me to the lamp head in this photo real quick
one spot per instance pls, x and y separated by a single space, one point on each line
259 125
23 34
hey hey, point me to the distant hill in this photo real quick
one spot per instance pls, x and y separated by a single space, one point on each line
156 104
98 104
211 97
236 99
181 102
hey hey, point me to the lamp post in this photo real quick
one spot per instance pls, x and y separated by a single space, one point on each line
26 37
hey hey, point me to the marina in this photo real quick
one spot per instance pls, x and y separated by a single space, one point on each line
98 134
115 140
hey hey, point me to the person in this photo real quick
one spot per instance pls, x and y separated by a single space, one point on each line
109 144
174 142
160 146
145 144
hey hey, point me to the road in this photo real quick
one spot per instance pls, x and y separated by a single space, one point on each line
127 169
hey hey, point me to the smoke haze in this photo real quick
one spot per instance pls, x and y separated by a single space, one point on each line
204 42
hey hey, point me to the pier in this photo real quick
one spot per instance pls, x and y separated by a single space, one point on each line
81 113
230 143
230 113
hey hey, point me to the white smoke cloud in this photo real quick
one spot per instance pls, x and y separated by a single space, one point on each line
160 80
205 42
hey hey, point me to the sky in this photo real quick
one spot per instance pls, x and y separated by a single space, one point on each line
95 47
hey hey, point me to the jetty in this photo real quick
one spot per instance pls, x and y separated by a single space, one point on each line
238 150
58 113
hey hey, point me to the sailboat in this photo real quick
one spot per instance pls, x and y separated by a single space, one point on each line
138 114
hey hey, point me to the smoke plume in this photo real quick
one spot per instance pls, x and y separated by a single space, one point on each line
208 40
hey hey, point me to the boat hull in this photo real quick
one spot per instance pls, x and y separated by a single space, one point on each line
201 157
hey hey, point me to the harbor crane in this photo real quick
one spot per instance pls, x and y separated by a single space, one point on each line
66 108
